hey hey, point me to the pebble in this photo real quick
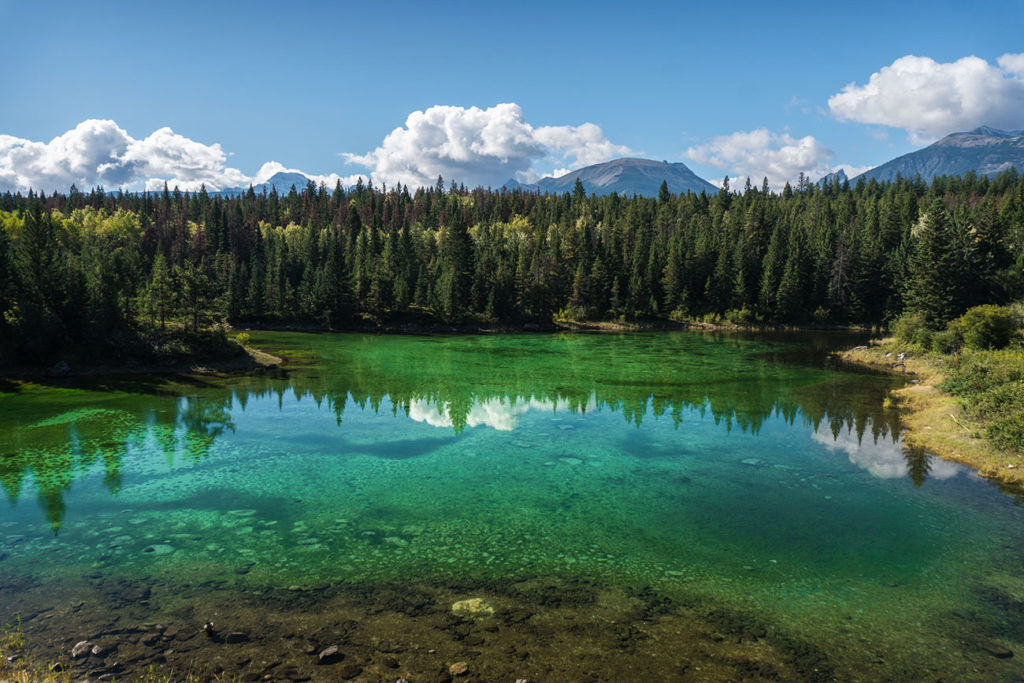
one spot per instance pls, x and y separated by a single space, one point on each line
81 649
459 669
329 655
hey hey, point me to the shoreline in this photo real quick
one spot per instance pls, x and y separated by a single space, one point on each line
251 360
553 327
934 420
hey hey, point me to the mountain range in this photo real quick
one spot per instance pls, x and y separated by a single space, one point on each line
986 151
282 181
627 177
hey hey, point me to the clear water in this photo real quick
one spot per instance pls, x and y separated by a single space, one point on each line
745 473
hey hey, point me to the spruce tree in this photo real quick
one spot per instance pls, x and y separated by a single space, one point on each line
936 281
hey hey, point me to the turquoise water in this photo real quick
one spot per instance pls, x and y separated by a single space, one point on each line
747 473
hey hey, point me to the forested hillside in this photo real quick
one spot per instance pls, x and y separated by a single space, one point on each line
86 269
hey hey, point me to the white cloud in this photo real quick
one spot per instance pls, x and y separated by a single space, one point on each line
850 170
270 168
1013 64
185 163
762 153
586 144
502 414
99 152
480 147
89 154
883 458
931 99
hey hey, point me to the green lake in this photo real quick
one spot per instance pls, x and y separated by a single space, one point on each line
643 506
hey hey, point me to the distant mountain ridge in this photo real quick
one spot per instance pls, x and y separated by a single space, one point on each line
627 176
281 181
985 151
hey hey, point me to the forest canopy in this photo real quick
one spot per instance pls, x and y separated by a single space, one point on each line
86 269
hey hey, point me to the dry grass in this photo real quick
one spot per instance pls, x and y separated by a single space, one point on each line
934 419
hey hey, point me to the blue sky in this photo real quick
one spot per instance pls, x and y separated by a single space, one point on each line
740 88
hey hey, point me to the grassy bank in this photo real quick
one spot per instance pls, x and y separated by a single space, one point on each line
965 406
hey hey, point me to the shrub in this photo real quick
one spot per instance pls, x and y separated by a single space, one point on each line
742 316
987 327
947 342
991 386
912 328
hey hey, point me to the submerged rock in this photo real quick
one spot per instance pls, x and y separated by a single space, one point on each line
158 549
81 649
350 671
473 608
459 669
996 649
329 655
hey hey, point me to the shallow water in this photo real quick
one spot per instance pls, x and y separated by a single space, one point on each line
741 506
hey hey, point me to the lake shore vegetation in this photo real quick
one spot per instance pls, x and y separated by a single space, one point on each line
964 401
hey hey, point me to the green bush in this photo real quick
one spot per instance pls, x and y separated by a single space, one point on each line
742 316
947 342
991 386
1002 407
987 327
912 328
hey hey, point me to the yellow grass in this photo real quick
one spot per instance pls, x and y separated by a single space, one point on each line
935 420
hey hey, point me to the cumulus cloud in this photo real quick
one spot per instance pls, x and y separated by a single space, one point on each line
585 144
480 147
271 168
501 414
99 152
762 153
883 458
931 99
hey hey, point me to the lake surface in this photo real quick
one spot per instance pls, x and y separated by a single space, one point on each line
665 506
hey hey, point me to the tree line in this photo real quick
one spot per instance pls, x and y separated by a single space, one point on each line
89 269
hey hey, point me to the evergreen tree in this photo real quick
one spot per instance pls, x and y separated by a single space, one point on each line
161 293
937 279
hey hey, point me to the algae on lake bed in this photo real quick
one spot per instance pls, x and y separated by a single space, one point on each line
735 489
